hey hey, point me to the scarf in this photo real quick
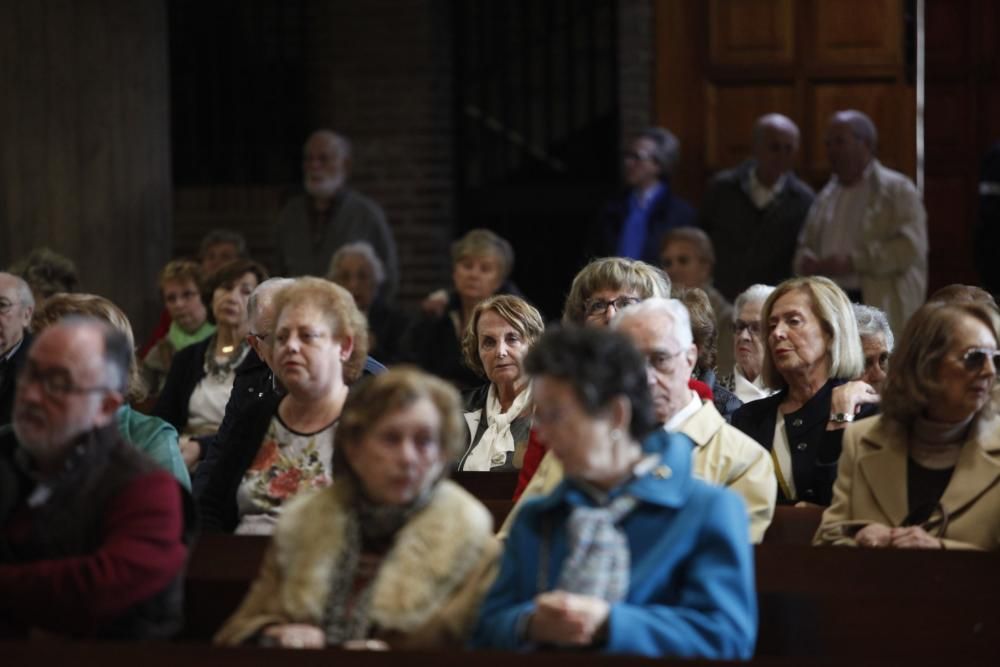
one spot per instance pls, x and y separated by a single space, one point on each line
492 449
181 339
598 563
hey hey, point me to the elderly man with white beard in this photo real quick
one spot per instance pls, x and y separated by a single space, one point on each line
311 227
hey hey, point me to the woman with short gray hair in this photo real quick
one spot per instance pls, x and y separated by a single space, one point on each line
746 381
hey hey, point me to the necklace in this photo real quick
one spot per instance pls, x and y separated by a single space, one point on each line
218 370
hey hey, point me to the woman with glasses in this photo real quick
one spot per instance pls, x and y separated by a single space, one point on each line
318 348
607 285
813 350
747 380
925 474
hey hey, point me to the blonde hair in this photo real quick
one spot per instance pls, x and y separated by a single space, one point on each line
615 273
383 394
480 242
833 309
517 312
81 304
181 271
340 312
912 381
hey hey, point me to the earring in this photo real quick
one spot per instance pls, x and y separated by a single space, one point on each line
616 435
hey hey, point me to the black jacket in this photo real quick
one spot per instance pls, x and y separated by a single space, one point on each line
815 450
8 379
186 371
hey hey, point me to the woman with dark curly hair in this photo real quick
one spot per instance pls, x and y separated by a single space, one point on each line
630 553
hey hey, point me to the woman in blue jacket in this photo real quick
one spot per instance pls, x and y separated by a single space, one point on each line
629 554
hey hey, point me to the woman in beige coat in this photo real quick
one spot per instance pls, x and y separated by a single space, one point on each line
391 554
926 472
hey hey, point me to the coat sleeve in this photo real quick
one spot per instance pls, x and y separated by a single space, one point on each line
141 552
261 607
808 242
755 481
906 243
715 612
512 596
838 525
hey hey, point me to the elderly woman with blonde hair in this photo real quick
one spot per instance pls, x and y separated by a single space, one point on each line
501 330
813 348
152 435
924 474
607 285
393 554
319 345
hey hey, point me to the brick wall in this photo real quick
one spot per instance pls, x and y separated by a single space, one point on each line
635 65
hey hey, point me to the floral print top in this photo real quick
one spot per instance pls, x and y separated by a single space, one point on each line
287 463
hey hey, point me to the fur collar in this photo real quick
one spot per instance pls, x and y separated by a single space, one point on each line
432 556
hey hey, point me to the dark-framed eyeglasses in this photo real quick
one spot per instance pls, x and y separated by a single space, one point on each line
56 382
739 326
595 307
974 359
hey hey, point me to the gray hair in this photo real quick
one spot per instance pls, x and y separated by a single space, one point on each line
266 288
668 148
754 294
24 294
671 308
861 126
342 143
362 249
871 322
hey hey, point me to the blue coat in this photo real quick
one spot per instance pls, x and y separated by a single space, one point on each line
692 577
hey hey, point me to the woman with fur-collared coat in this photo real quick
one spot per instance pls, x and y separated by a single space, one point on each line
926 473
391 554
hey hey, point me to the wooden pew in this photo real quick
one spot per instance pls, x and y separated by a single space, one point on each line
488 485
837 602
793 525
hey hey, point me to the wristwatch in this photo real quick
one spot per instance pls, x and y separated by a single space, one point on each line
841 417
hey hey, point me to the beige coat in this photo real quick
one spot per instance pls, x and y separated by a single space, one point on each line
891 255
871 486
426 592
722 455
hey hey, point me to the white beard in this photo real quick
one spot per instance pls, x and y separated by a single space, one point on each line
324 189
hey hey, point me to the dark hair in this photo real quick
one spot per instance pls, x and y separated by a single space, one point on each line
227 274
703 326
600 365
47 272
221 236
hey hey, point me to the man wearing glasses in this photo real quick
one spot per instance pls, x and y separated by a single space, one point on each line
633 225
92 532
16 308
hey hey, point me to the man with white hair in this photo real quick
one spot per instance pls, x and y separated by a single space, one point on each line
876 341
312 227
16 307
93 533
661 330
754 212
867 229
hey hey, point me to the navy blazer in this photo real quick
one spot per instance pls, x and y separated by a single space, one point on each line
815 451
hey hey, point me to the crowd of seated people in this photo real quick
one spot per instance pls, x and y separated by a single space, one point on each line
653 438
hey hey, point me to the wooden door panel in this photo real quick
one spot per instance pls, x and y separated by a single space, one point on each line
855 32
751 32
730 114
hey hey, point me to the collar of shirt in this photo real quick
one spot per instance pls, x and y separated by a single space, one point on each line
644 198
685 413
760 193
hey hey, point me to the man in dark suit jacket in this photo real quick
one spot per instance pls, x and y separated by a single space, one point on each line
16 307
633 225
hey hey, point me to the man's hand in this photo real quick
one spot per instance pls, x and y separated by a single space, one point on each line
567 619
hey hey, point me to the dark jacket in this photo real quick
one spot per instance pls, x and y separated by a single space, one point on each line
8 378
103 555
725 401
251 418
186 371
667 212
388 325
815 450
752 245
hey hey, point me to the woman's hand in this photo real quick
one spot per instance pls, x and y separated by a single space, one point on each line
296 635
874 536
914 537
190 451
848 398
567 618
365 645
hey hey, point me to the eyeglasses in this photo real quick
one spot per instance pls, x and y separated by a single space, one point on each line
6 305
596 307
56 382
262 337
659 360
739 326
974 359
636 155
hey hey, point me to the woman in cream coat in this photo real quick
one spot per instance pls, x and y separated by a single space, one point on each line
926 472
390 555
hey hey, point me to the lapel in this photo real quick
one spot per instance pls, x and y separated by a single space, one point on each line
978 466
886 460
702 426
